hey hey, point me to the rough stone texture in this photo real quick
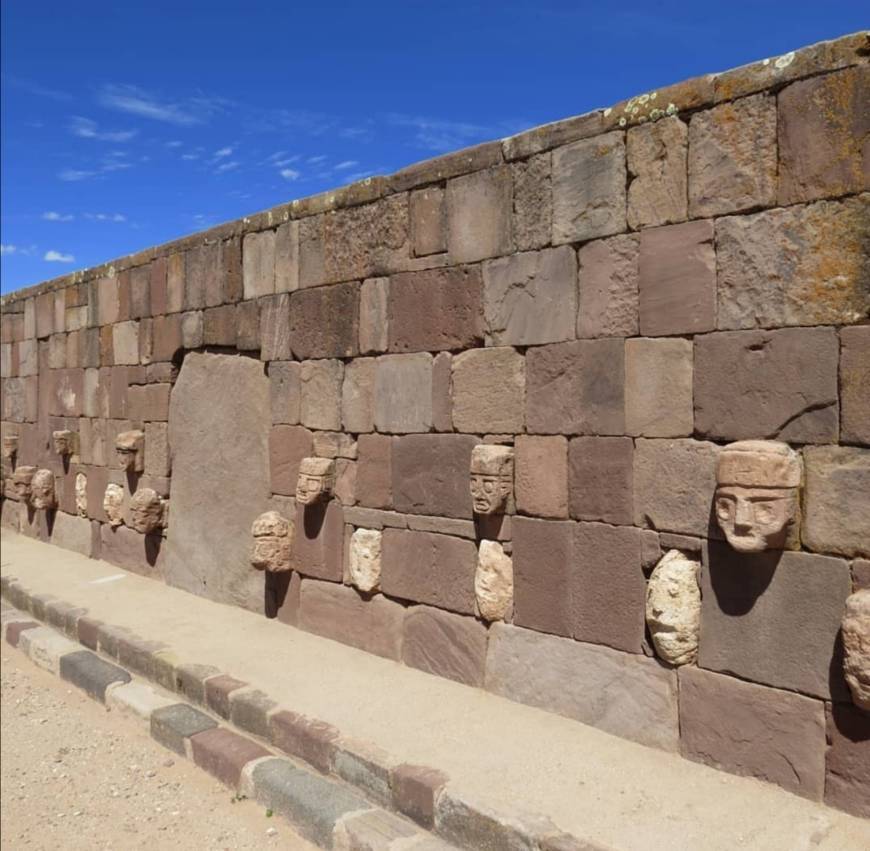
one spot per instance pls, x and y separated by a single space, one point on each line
374 471
656 157
855 384
600 479
288 445
444 644
541 475
364 561
72 533
806 265
860 574
856 647
429 568
608 300
171 725
436 310
493 581
125 342
677 279
530 298
223 754
658 387
374 829
310 336
533 202
823 126
358 395
752 730
576 388
767 384
318 541
305 738
847 763
91 673
219 433
143 554
258 254
674 482
249 710
285 391
403 393
373 330
488 391
275 327
287 257
589 195
774 617
621 693
479 215
415 791
673 608
320 391
428 221
732 157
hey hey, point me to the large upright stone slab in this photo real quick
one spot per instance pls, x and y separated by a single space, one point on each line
219 418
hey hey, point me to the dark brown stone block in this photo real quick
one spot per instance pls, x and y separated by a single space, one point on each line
847 762
166 332
445 644
223 754
415 791
275 327
374 471
324 322
600 480
219 326
217 693
288 445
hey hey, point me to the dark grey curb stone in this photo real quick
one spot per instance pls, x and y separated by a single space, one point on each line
313 803
249 710
171 725
91 673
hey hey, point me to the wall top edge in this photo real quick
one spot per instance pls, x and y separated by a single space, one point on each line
679 98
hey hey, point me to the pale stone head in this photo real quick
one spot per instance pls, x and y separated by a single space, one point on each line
673 608
10 446
130 450
81 495
493 581
365 559
756 493
492 478
856 646
64 441
146 511
273 537
316 480
22 479
42 493
113 504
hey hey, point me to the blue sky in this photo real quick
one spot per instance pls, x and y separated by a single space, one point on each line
127 124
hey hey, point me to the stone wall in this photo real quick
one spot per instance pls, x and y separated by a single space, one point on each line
616 296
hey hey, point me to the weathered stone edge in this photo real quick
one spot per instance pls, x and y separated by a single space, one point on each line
372 771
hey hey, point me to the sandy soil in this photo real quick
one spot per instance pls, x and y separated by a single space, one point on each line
76 777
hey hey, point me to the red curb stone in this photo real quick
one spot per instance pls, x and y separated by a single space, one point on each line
313 741
14 630
217 693
88 632
415 790
224 754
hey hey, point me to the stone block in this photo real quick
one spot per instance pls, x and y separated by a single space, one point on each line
600 479
248 326
157 291
223 754
217 693
415 791
479 215
656 154
773 617
125 342
805 265
190 679
90 673
324 322
589 196
72 533
855 384
320 394
677 279
275 327
625 694
373 829
108 300
822 126
318 541
166 335
752 730
488 391
444 644
773 384
847 761
342 614
860 574
258 264
14 630
658 387
428 221
444 167
201 267
430 474
191 329
358 395
142 554
541 475
674 482
429 568
442 392
373 303
436 310
530 298
533 202
174 283
287 257
576 388
136 699
305 738
374 471
403 393
732 157
285 391
837 500
365 766
171 725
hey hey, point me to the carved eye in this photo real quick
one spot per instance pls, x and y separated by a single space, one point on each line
764 512
724 508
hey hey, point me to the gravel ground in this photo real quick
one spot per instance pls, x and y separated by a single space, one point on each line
76 777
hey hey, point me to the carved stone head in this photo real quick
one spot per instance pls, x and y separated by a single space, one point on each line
365 559
130 449
146 511
856 646
10 446
492 478
756 493
22 479
273 538
113 504
64 442
42 493
493 581
81 495
316 480
673 608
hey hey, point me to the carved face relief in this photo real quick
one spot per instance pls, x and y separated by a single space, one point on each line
365 559
64 442
146 511
756 493
130 450
113 504
21 483
673 608
81 495
10 446
316 480
273 537
42 490
856 645
492 478
493 581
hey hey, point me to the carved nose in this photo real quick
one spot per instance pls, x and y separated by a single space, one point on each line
743 516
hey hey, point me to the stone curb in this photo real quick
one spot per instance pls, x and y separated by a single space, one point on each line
90 673
421 793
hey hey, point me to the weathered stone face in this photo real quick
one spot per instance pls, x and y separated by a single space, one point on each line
856 643
273 538
492 478
42 493
756 493
493 581
113 504
365 559
21 481
10 446
130 450
64 442
316 480
81 495
673 608
146 511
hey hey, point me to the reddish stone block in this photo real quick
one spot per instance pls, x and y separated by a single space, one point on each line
533 202
44 315
428 221
127 548
140 292
167 340
855 384
201 276
600 479
445 644
656 158
541 475
275 327
319 539
288 445
429 568
89 632
231 270
285 391
157 287
479 215
14 630
304 738
217 693
374 471
324 322
847 761
223 754
219 326
442 393
415 791
148 402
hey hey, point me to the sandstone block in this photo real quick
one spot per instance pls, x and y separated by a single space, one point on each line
373 301
541 475
656 153
358 395
479 215
774 384
600 479
533 202
72 533
108 300
324 322
287 257
576 388
275 327
428 221
855 384
589 195
142 554
219 326
320 397
258 264
374 471
166 332
677 279
856 647
205 276
847 762
493 581
174 283
673 608
125 342
248 322
442 392
365 559
444 644
285 391
288 445
318 541
192 329
403 393
658 387
488 390
416 789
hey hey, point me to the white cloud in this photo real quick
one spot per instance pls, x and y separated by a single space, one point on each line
346 164
53 256
437 134
223 152
73 174
8 248
87 129
136 101
190 156
290 174
105 217
174 144
230 166
36 88
51 216
318 159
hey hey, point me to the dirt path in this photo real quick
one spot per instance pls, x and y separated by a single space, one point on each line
76 777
